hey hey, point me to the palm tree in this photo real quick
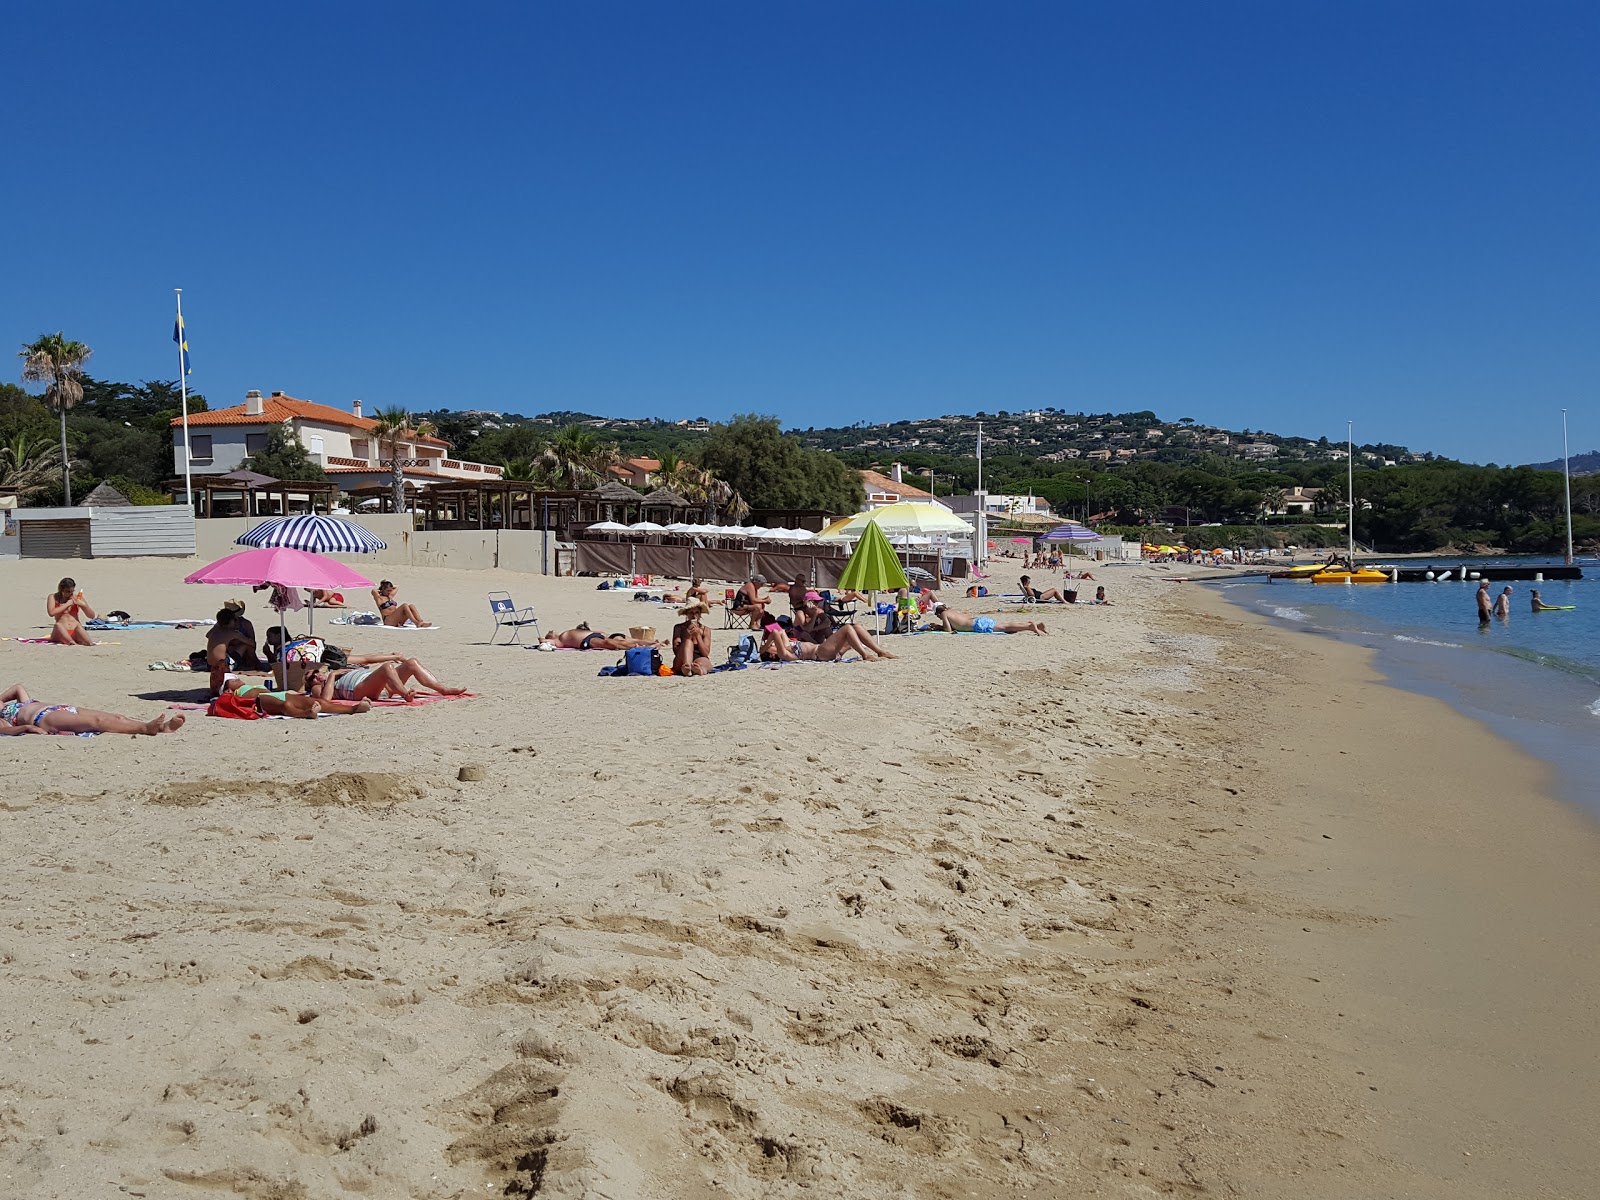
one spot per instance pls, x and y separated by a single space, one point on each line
576 459
391 427
518 470
25 467
58 363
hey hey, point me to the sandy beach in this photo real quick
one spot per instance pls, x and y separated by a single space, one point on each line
1168 902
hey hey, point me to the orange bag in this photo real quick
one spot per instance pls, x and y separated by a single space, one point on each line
231 704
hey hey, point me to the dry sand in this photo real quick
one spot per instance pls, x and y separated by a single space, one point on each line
1106 913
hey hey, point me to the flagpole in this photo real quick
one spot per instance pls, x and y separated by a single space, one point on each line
183 385
980 552
1566 471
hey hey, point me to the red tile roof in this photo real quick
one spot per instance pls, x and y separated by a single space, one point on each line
279 408
876 481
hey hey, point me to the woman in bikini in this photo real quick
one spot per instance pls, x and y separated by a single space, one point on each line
353 684
270 703
776 646
67 608
392 611
20 713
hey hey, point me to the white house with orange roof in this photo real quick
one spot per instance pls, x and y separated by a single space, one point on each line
341 442
884 489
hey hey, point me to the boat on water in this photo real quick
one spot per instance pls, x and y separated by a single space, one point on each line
1346 575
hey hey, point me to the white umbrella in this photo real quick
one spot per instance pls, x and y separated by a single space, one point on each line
646 527
608 527
683 527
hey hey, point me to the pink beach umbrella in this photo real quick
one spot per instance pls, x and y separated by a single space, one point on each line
283 566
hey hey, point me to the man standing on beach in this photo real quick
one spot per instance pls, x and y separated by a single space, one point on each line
1502 604
1485 605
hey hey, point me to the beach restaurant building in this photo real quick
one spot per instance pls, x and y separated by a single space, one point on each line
341 443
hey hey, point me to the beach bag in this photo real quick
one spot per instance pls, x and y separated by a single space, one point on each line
233 705
304 650
747 651
334 656
642 660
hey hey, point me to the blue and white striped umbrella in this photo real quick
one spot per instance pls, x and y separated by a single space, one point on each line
320 535
1071 533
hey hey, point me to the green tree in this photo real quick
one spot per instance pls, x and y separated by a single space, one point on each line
57 362
26 467
772 469
284 458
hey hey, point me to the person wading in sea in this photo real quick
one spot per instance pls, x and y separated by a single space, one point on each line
1485 605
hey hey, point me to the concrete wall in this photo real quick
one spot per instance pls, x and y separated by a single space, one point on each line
463 549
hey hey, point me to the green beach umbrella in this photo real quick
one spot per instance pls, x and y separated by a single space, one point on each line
874 567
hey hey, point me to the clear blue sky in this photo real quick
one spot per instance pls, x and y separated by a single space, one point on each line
1273 215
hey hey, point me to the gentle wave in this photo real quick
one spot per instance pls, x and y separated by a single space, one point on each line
1422 641
1595 708
1289 614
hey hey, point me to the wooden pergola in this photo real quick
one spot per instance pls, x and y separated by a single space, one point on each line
256 495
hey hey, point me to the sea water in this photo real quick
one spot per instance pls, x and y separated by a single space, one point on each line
1534 677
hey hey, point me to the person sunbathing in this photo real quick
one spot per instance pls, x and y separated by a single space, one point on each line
954 621
270 703
351 658
691 642
372 683
697 591
67 608
776 646
1032 595
584 638
322 599
21 713
392 611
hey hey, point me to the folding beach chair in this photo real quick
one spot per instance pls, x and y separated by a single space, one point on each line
731 619
508 616
839 614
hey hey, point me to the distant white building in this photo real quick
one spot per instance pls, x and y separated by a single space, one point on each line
340 442
1257 450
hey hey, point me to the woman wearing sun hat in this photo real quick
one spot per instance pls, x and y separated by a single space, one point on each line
691 642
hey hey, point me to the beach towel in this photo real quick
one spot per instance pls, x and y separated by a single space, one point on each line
44 641
177 624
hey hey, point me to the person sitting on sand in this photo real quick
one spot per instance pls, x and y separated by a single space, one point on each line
749 602
270 703
583 638
221 641
392 611
776 646
813 625
954 621
352 684
691 642
322 599
20 713
1032 595
1100 596
797 595
697 591
242 646
68 609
